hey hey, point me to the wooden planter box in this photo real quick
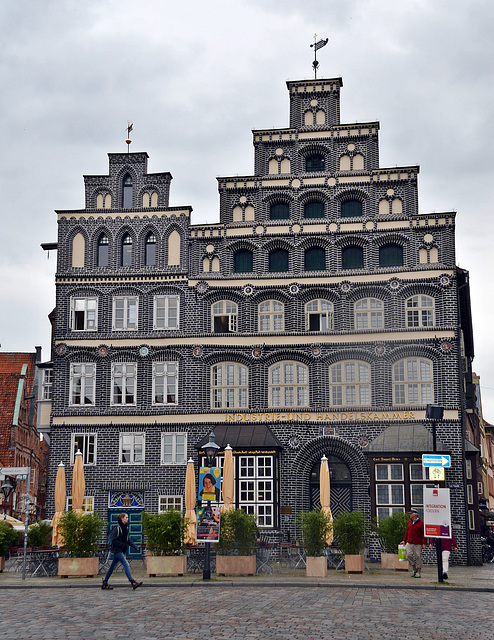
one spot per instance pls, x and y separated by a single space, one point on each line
316 567
390 561
2 563
78 567
236 565
354 563
166 565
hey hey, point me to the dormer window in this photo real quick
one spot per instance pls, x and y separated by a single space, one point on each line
127 189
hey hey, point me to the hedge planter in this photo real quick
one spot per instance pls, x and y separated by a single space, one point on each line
235 565
354 563
2 563
78 567
316 566
391 561
166 565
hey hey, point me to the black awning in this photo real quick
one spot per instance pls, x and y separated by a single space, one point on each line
243 436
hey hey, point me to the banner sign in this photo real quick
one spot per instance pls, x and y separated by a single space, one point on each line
208 524
209 483
437 513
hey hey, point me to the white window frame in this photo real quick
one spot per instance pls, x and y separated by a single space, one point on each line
170 502
411 386
390 472
321 309
256 488
229 386
134 446
288 384
168 372
420 311
225 309
125 374
166 321
86 376
424 475
390 501
82 305
84 445
177 441
47 385
128 313
369 313
271 316
350 384
87 504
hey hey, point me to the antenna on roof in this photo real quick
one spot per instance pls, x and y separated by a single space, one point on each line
129 129
317 45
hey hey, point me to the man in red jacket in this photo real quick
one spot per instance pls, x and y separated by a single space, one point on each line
414 541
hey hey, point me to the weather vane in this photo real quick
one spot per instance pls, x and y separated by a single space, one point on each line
129 129
317 45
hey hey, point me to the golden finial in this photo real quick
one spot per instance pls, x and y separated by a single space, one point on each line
129 129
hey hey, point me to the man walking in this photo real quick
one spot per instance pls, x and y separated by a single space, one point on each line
414 541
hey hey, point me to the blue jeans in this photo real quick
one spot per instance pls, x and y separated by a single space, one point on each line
119 557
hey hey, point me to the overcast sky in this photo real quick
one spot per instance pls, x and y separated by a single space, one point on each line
196 77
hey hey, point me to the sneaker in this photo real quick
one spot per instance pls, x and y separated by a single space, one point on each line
414 573
417 574
445 576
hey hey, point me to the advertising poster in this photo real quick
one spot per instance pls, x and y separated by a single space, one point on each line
437 513
208 524
209 483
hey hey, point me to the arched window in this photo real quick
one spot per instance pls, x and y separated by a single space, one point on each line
420 311
243 261
271 316
151 250
352 258
369 314
126 251
127 190
350 384
319 315
413 382
315 259
314 210
391 255
78 250
351 209
278 261
229 386
224 317
288 385
279 211
103 250
314 162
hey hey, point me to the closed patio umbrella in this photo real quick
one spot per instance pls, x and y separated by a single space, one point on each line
325 490
60 496
190 502
228 482
78 483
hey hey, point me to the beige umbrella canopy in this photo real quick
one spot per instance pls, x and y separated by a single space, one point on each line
60 495
228 481
325 494
78 483
190 502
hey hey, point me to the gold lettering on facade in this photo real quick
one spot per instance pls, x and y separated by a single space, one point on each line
344 416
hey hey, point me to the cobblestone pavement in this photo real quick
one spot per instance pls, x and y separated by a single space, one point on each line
221 612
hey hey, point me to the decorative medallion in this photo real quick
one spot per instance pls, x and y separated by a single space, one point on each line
363 442
294 442
345 287
103 351
143 351
296 228
315 350
444 281
256 352
61 349
446 346
202 287
380 350
248 290
293 289
394 284
329 431
197 352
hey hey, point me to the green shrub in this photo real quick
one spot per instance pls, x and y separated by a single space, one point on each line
315 526
81 533
391 530
238 533
165 532
8 537
39 535
349 528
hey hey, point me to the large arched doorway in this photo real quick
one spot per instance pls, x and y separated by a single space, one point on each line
341 486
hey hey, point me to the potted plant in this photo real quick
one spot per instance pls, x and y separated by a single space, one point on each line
81 533
165 541
390 532
349 529
235 551
315 526
8 538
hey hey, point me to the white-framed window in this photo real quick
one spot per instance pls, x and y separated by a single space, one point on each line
87 504
417 496
256 487
413 382
468 469
132 448
350 383
288 384
84 314
224 317
125 310
165 383
389 471
173 448
170 502
82 384
418 472
420 311
86 444
123 383
390 490
369 314
47 384
471 519
166 311
271 316
229 386
319 315
469 494
390 494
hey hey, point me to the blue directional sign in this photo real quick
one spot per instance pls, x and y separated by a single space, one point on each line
435 460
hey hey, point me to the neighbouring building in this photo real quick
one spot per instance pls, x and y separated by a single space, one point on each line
319 316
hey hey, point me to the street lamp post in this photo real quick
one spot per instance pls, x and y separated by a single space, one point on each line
211 450
434 413
6 489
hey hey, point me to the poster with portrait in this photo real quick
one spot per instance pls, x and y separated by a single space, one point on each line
209 483
208 524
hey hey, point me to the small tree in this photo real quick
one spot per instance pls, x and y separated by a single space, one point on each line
315 526
238 533
349 529
8 537
39 534
391 531
165 532
81 533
